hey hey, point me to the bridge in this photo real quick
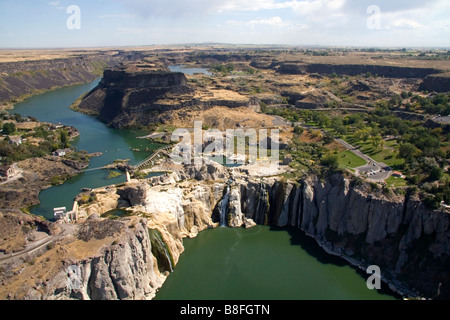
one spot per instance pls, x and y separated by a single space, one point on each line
141 165
149 161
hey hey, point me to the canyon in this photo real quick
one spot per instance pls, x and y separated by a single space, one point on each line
129 237
409 242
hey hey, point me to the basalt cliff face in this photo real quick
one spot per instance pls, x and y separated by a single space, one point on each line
24 78
410 243
130 98
437 83
125 98
116 264
130 256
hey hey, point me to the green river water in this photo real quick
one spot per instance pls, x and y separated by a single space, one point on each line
223 263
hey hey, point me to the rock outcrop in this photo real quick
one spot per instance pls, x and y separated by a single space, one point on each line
437 83
122 266
356 69
129 98
126 98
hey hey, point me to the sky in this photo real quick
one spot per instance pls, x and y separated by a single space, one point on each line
95 23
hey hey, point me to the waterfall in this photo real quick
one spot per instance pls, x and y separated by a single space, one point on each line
224 206
262 206
161 251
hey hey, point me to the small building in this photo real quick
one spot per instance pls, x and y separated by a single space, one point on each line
397 174
60 213
7 171
17 140
60 153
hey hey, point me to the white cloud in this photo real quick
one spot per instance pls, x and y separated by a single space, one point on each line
406 24
54 3
273 22
303 7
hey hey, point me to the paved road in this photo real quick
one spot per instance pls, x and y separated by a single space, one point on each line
67 229
375 171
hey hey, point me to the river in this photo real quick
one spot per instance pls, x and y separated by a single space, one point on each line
95 136
223 263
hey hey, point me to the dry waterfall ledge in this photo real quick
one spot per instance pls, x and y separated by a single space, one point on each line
409 242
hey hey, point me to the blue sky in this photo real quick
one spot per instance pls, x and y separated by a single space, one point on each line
414 23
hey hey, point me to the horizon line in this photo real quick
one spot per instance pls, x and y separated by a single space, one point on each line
317 46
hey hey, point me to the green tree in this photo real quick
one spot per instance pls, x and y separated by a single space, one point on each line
64 138
436 173
331 161
407 150
298 130
9 128
377 141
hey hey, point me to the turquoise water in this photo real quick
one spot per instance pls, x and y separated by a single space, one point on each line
95 136
190 71
263 263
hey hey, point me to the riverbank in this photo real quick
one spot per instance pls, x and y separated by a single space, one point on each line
36 175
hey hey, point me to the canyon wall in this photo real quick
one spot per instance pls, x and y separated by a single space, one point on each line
356 69
23 78
436 82
118 264
410 243
130 256
126 98
135 99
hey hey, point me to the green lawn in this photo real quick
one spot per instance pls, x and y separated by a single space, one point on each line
396 182
385 155
347 159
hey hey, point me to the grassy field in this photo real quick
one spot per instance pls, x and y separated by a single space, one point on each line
396 182
349 160
387 154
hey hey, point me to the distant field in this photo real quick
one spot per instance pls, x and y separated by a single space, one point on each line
381 58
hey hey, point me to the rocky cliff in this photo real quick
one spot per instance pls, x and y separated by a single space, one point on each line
23 78
356 69
130 256
410 243
437 83
116 264
125 98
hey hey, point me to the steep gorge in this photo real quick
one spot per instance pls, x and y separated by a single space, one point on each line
21 79
410 243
